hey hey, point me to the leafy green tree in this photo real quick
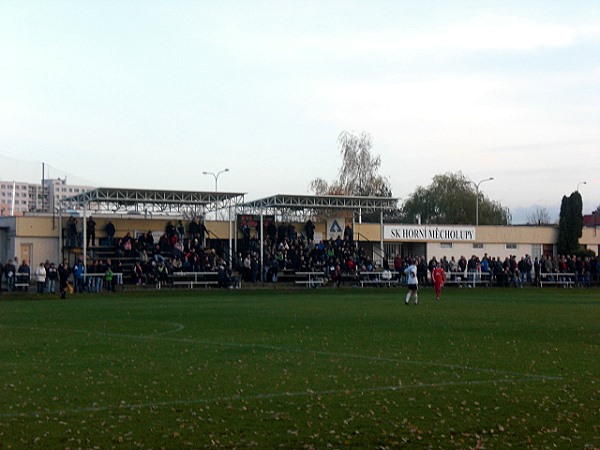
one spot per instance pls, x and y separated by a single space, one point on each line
451 199
570 225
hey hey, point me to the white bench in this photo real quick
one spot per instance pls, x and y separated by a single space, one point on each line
376 279
471 279
193 279
558 279
192 284
314 279
22 281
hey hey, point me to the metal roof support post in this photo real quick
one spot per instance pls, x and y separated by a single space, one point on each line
229 233
235 234
60 235
381 235
262 248
84 237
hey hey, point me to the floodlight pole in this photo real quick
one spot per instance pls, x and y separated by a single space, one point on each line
216 177
477 199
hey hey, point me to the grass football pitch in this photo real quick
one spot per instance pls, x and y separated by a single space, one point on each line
301 369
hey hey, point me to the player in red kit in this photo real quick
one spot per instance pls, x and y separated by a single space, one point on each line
438 277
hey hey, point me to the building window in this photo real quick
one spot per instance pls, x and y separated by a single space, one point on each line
511 246
478 246
446 245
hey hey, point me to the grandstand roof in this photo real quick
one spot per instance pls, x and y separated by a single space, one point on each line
133 200
322 201
282 202
123 200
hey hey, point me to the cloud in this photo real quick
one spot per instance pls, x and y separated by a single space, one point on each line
483 33
504 33
432 98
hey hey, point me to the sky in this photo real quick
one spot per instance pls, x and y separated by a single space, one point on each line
151 94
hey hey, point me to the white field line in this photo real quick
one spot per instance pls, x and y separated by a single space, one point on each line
178 327
269 396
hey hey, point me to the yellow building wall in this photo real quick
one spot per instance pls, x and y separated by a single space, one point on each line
36 226
517 234
367 231
43 232
590 238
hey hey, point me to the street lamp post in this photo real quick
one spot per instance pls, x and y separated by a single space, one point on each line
580 183
477 199
216 177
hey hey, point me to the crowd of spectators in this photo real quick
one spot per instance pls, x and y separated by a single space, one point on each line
516 272
286 251
54 278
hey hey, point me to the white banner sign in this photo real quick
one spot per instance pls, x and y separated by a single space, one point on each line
442 233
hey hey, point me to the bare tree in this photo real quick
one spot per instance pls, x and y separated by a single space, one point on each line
358 174
540 216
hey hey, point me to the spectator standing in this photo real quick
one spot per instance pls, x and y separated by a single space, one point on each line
193 228
47 267
110 233
108 278
272 231
24 273
348 234
91 232
170 230
309 230
40 276
10 274
537 270
202 233
92 270
254 267
72 232
528 269
422 270
462 264
398 267
181 230
247 267
51 278
78 278
63 278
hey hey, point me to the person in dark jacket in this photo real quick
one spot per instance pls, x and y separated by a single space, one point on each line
63 278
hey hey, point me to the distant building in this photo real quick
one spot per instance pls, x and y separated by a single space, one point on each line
18 198
14 198
592 220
